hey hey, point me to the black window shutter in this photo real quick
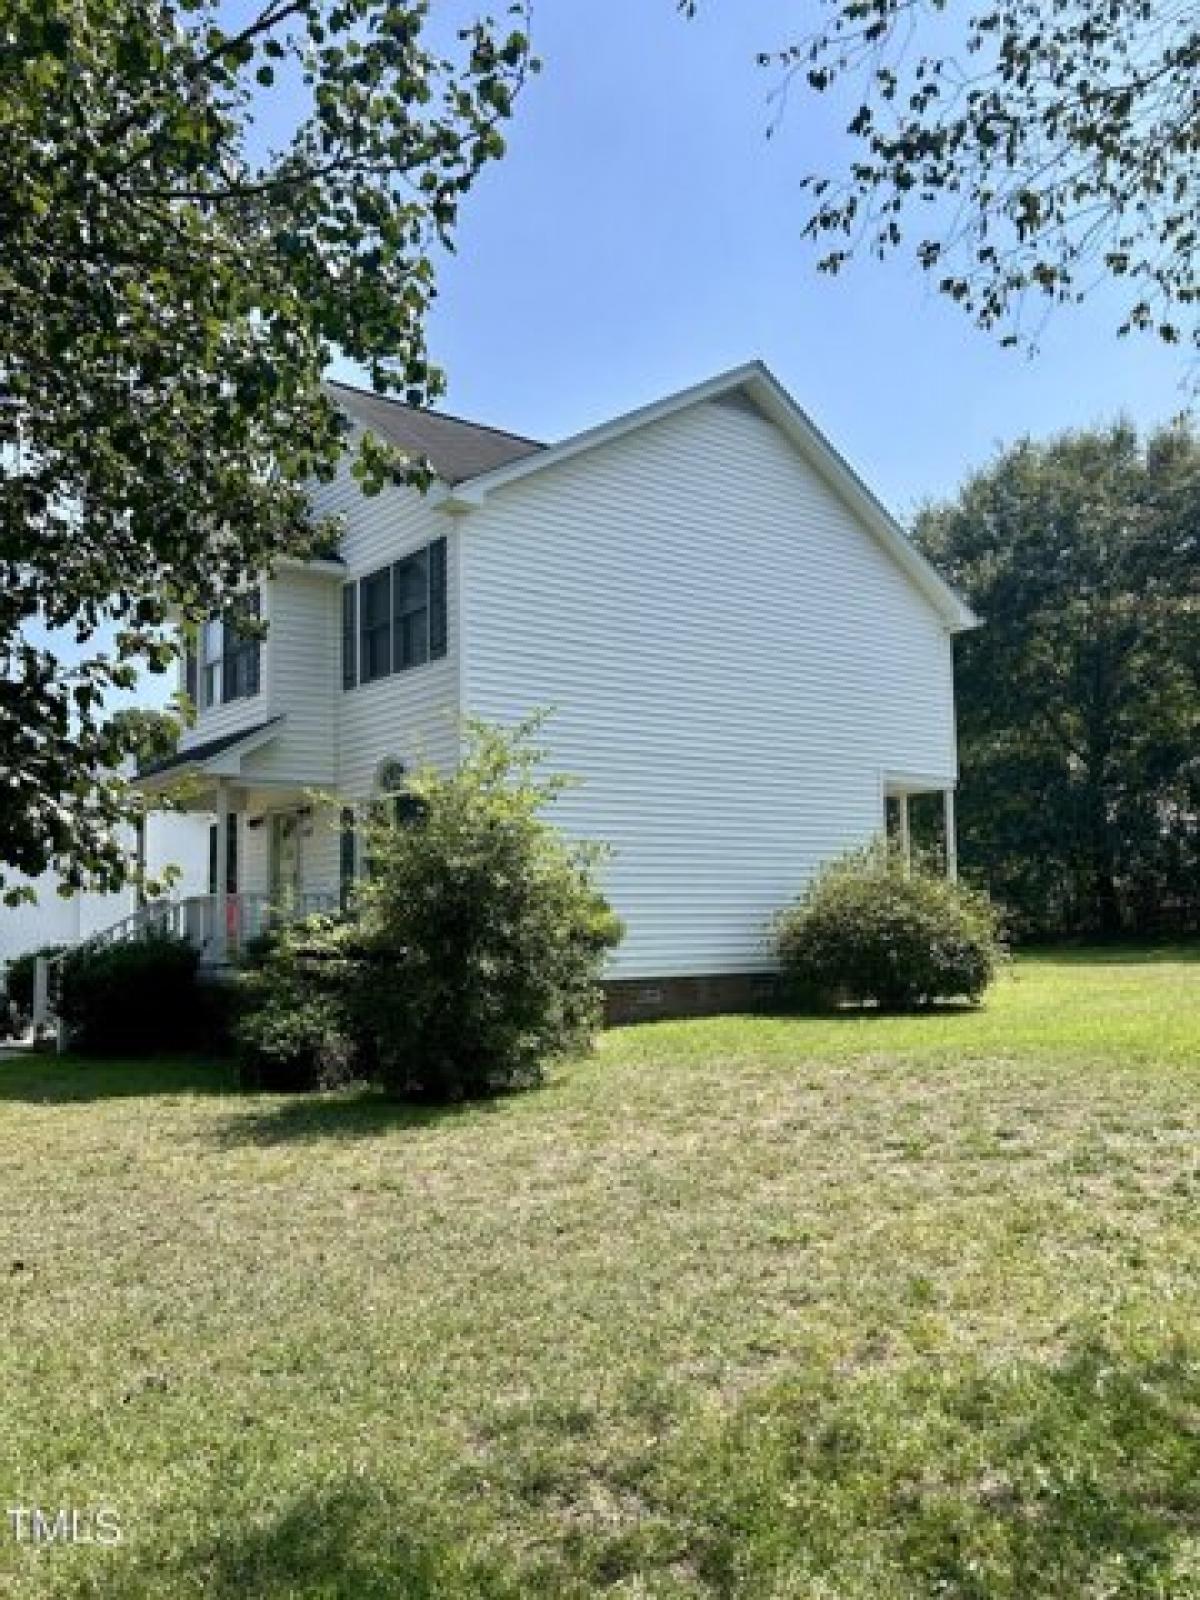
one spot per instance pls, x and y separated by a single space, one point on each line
349 636
437 599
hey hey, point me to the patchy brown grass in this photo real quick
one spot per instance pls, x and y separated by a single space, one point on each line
884 1308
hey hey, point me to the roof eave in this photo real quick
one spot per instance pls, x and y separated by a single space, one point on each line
224 763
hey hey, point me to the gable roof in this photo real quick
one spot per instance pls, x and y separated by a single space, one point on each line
197 755
758 385
456 449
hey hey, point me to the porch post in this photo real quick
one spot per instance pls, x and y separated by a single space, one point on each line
220 932
951 835
904 830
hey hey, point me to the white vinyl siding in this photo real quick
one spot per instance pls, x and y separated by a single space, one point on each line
409 715
302 666
735 663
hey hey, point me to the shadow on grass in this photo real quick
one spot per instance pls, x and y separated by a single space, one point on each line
1029 1483
53 1080
350 1541
1072 1479
360 1113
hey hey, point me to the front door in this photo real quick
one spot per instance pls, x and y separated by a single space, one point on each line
286 862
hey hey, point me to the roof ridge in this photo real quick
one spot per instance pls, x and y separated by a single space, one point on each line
441 416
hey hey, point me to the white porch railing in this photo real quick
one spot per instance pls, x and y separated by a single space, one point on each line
198 919
201 919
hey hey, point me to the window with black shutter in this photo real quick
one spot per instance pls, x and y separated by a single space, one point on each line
240 663
375 631
410 599
395 619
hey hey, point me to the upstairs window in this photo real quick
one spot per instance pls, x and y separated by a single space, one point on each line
410 618
240 661
224 662
212 637
375 637
395 618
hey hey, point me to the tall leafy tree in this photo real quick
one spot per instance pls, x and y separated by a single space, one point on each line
170 295
1079 699
1024 150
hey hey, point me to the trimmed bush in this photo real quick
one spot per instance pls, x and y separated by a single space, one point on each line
297 1029
18 984
869 932
136 998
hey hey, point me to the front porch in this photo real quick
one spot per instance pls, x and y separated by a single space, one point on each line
220 925
274 851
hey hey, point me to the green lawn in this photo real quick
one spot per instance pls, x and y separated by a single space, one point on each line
848 1310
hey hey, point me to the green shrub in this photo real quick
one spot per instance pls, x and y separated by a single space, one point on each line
483 929
18 984
296 1029
868 931
134 998
472 954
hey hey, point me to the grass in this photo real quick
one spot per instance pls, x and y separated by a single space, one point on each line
752 1307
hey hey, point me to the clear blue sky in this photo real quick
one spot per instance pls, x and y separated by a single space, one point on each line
643 233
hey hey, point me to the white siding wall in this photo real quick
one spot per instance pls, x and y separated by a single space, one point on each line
334 740
735 663
412 715
301 680
172 839
300 677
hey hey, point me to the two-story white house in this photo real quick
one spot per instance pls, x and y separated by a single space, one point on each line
745 657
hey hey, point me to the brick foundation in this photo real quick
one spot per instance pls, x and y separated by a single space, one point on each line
651 999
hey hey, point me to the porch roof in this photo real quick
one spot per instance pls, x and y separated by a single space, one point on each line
199 756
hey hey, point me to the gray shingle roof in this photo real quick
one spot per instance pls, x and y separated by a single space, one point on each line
455 448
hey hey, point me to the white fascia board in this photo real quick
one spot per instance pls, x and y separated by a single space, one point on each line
226 763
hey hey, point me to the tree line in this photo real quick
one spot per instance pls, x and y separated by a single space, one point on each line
1079 698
